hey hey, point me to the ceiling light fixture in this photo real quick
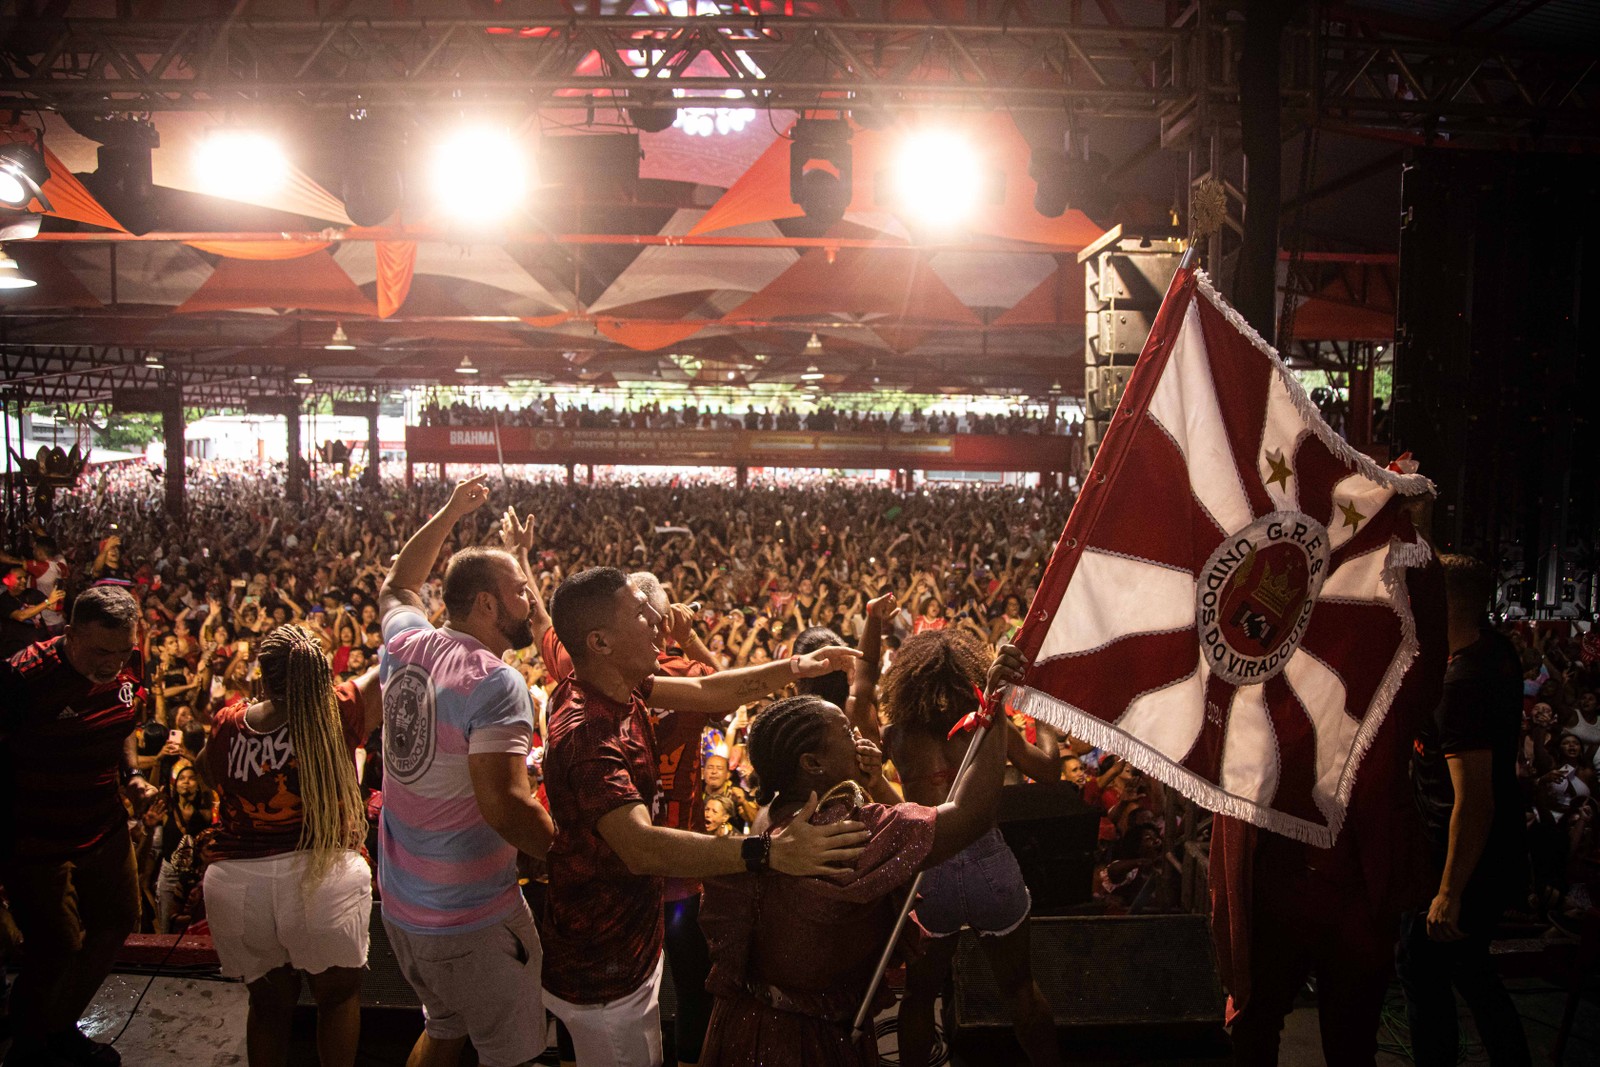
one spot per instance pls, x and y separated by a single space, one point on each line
480 174
812 374
303 378
240 164
22 172
939 178
340 341
153 361
466 366
11 276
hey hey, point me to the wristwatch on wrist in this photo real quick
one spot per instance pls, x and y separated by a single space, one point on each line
756 852
130 773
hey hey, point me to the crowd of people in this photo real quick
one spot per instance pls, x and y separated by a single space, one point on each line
629 647
691 415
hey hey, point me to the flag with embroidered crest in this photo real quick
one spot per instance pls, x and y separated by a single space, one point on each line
1227 606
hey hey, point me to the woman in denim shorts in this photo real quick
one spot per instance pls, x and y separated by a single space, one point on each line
925 693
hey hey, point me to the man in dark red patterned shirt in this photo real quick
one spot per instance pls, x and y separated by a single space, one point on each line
603 912
66 734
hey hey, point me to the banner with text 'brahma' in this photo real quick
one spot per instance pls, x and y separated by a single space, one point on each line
1227 607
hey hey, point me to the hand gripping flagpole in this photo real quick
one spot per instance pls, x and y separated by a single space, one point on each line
979 723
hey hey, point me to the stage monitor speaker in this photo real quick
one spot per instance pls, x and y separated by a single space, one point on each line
1125 982
1053 835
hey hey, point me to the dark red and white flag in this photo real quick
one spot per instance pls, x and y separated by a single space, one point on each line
1226 607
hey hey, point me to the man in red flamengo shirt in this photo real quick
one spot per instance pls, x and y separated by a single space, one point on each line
66 757
603 911
677 740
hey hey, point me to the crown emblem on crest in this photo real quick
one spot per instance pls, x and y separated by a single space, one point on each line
1274 592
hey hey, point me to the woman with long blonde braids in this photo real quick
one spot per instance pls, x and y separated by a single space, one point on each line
287 893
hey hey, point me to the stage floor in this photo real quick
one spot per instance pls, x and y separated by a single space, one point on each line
199 1021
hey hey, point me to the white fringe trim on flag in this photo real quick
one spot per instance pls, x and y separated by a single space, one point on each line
1158 765
1405 484
1401 556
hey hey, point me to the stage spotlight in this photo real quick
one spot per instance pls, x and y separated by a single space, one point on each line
480 174
649 114
240 164
11 276
466 366
939 178
821 171
1070 180
23 172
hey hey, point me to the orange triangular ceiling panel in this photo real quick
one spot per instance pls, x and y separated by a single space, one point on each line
892 281
1056 301
68 198
1358 305
313 282
648 336
263 250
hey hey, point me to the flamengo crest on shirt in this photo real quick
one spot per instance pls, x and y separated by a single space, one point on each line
1227 606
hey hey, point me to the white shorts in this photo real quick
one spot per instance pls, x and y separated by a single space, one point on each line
625 1032
262 919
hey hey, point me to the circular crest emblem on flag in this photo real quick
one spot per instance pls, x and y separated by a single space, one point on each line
1256 593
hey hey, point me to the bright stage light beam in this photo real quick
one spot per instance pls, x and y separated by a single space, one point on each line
480 174
938 178
240 164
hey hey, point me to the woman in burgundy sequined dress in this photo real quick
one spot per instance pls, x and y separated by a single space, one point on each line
791 957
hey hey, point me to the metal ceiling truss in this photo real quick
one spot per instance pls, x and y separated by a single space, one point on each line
102 65
1438 88
86 372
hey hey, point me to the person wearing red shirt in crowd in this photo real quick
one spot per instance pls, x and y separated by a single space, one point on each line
603 925
66 761
677 737
287 893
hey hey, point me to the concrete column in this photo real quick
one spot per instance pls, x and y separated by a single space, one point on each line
372 475
1358 427
172 436
295 471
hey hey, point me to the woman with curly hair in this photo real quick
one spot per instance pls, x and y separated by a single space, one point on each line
791 957
287 893
927 691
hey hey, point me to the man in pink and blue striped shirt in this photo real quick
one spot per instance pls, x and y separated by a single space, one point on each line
458 806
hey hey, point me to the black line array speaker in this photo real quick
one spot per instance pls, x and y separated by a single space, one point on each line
1495 365
1138 981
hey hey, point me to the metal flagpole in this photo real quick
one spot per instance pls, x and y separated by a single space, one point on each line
858 1027
498 449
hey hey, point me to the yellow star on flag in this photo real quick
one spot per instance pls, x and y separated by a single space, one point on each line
1280 469
1352 517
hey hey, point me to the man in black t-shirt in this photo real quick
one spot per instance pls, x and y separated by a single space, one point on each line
1463 771
21 611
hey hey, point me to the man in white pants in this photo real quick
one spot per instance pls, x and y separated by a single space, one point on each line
603 912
